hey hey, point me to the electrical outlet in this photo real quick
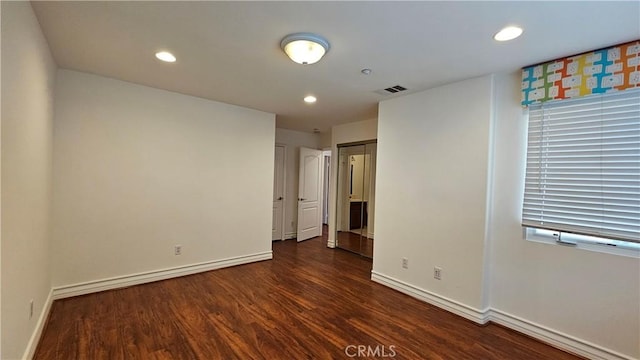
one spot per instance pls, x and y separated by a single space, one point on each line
405 263
31 309
177 250
437 273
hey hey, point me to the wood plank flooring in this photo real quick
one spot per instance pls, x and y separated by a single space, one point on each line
309 302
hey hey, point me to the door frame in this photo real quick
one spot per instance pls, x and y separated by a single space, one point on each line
326 182
284 189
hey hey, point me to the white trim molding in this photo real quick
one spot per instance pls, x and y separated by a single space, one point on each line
549 336
37 332
555 338
88 287
478 316
290 235
284 190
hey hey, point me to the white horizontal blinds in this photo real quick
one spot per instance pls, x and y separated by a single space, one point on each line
583 166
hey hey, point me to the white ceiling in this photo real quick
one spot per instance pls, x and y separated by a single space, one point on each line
230 51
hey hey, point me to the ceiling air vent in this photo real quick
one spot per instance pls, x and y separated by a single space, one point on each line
391 90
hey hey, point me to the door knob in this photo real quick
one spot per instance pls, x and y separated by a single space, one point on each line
280 198
302 199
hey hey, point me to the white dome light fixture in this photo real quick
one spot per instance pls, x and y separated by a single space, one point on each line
310 99
305 48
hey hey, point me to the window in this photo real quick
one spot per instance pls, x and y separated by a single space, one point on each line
583 170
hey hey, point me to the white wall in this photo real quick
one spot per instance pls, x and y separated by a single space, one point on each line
432 171
28 73
354 132
293 141
589 295
325 140
449 193
344 134
138 170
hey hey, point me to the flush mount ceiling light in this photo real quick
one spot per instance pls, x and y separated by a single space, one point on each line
165 56
310 99
304 48
508 33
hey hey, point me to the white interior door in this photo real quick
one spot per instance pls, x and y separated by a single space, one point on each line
310 194
278 195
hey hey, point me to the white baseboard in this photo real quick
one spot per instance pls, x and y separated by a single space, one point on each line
291 235
467 312
37 332
554 338
61 292
550 336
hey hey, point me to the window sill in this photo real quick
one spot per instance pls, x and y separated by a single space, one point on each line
633 250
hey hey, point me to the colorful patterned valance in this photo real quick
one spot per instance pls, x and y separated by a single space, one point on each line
612 69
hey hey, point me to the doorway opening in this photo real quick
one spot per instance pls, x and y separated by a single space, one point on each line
356 197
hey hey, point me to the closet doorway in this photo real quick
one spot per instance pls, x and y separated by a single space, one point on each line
356 197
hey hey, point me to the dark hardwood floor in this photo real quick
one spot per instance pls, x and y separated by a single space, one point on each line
309 302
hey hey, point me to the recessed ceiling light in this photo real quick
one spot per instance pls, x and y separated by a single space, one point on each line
366 71
166 56
508 33
310 99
